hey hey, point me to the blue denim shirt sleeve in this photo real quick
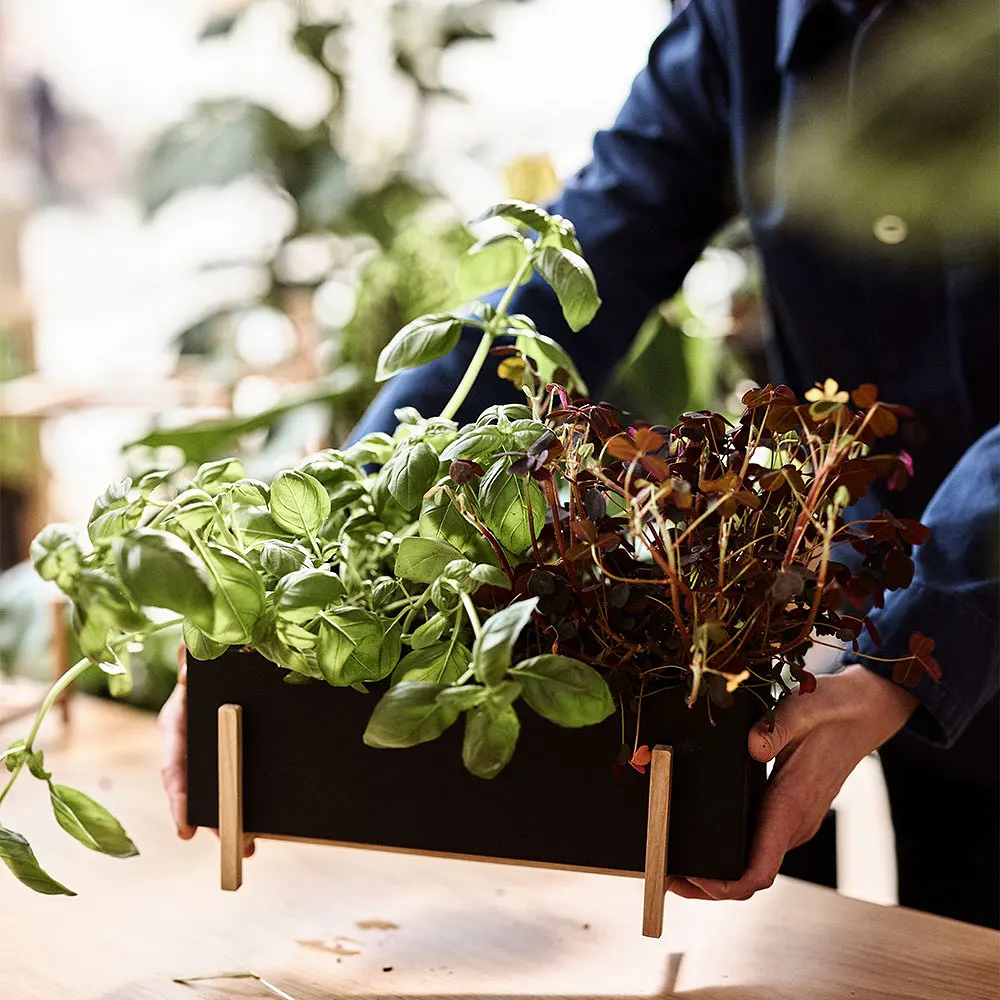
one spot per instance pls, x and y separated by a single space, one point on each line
954 598
657 187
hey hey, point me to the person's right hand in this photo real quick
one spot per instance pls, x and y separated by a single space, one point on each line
173 755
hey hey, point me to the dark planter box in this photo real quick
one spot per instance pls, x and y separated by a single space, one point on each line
307 773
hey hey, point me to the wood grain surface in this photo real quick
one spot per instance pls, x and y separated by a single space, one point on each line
327 922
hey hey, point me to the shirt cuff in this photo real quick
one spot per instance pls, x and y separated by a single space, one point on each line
966 643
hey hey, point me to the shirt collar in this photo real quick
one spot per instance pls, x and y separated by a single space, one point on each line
791 16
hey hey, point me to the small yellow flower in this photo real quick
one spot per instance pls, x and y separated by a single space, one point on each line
828 392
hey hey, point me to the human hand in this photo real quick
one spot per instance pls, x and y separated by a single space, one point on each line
172 721
817 740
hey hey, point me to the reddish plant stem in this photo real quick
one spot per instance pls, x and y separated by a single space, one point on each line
489 536
553 501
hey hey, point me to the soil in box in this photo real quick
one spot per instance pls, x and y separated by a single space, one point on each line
307 773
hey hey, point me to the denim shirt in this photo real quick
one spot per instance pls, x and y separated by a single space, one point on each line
708 130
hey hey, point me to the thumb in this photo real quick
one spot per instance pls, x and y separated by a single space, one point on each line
767 740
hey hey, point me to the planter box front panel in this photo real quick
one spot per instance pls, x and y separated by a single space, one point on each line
307 773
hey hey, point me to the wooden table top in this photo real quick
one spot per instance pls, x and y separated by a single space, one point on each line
324 922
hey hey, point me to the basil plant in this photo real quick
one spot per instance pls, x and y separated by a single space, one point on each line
387 565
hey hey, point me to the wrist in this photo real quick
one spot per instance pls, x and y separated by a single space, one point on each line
886 701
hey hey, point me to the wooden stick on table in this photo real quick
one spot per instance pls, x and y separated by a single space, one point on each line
657 833
231 794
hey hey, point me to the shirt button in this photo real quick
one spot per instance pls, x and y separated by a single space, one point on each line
890 229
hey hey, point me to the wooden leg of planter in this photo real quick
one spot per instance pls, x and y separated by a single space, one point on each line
231 794
657 832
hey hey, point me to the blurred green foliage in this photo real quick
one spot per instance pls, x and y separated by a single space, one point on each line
395 238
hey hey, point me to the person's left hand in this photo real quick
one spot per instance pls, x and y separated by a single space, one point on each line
818 739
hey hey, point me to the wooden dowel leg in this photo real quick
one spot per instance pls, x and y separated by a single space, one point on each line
657 832
231 794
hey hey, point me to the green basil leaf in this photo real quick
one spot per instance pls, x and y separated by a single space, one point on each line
295 636
89 822
561 234
408 415
490 737
412 472
199 645
350 647
194 515
563 690
213 476
503 411
492 263
459 573
160 571
548 357
92 635
115 496
442 663
426 339
505 693
408 714
524 433
238 596
279 558
249 492
99 597
119 684
424 559
151 480
269 643
17 855
429 633
462 698
329 467
36 765
372 449
486 575
474 442
299 503
392 650
55 553
113 514
301 595
573 282
256 525
521 213
384 591
504 500
440 519
491 652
